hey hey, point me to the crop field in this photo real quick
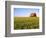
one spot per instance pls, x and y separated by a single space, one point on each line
26 23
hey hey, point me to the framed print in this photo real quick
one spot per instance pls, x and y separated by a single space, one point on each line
24 18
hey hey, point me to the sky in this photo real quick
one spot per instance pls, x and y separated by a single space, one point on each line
25 12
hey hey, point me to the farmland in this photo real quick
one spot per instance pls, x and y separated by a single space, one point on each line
26 22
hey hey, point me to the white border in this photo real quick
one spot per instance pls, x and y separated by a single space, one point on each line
30 30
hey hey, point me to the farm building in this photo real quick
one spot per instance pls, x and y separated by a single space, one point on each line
33 15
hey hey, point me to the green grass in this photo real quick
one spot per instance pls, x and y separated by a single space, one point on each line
26 22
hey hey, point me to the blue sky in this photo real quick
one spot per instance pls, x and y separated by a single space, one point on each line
25 12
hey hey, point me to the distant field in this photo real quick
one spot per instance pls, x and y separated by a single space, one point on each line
26 22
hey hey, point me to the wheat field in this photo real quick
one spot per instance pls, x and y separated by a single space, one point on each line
26 23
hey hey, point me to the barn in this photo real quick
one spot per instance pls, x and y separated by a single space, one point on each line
33 15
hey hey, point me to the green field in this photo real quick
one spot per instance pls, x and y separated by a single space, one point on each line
26 23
